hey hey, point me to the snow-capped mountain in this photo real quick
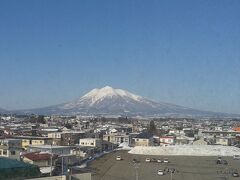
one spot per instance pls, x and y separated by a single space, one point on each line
109 101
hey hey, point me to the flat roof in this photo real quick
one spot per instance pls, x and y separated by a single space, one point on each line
30 137
48 146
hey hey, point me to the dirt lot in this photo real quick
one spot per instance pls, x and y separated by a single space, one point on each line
186 168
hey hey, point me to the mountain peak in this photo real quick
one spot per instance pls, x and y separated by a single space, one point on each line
108 92
107 87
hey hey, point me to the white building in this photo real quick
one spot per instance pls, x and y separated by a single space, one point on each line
90 142
168 140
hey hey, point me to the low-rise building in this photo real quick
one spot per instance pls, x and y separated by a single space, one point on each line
143 139
10 152
66 138
91 142
170 140
11 142
117 138
33 140
41 159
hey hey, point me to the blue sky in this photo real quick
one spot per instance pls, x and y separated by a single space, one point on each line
182 52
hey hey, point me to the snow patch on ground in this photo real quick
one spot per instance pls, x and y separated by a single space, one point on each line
124 146
187 150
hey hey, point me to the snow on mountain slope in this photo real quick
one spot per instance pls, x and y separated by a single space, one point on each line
110 101
97 95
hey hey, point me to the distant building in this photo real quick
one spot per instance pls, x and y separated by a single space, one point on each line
10 152
41 159
143 139
90 142
33 140
66 138
236 129
225 141
170 140
11 142
117 138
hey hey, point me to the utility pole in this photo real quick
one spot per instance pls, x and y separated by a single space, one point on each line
62 165
51 162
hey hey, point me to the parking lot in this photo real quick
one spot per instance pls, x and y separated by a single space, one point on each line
186 168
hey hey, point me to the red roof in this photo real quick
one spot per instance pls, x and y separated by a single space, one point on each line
236 129
39 156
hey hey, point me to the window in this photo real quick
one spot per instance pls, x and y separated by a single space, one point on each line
13 153
4 152
92 143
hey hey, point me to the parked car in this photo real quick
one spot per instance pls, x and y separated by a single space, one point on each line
165 160
160 172
118 158
235 174
153 160
148 160
159 161
236 157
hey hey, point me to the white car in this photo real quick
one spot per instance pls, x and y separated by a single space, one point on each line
159 161
160 172
166 160
236 157
148 160
118 158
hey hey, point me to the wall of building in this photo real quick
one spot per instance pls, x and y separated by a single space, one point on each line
142 142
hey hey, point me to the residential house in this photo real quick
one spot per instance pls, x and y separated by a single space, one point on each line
11 142
167 140
118 138
41 159
33 140
143 139
10 152
66 138
91 142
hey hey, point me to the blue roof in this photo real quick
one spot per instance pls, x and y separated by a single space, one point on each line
144 135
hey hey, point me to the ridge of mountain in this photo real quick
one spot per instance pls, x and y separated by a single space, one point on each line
110 101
